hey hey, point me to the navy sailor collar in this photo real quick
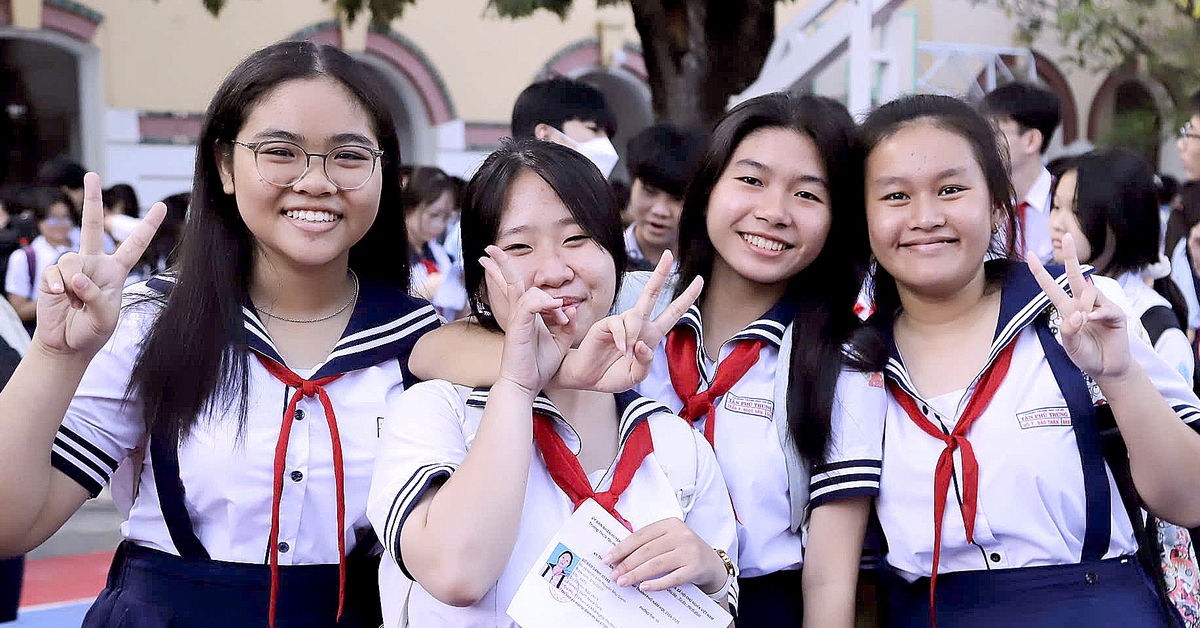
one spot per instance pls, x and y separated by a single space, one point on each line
385 324
633 408
768 327
1022 301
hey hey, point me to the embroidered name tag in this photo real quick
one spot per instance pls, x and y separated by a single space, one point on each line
1044 417
764 408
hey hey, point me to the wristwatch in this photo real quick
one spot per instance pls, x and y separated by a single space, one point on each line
732 571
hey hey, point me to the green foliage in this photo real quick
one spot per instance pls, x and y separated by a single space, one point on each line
1138 130
384 11
1104 34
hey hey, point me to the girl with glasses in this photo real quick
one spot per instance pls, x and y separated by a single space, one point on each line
54 223
250 375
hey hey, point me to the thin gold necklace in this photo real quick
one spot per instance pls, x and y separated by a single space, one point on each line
353 298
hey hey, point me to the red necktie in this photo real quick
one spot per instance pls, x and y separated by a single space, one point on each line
305 388
567 473
431 266
957 439
685 375
1020 210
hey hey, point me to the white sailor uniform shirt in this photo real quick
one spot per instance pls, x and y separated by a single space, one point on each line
427 434
1032 503
226 470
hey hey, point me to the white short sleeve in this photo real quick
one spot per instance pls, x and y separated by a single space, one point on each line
1169 382
101 427
854 456
16 277
421 445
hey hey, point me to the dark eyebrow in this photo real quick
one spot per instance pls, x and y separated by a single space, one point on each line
804 178
279 134
945 174
750 163
339 139
569 220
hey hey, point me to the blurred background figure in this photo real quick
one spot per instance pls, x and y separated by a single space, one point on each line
159 256
121 211
570 113
55 222
662 160
429 199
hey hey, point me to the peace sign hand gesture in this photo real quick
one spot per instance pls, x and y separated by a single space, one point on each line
1093 327
616 353
80 296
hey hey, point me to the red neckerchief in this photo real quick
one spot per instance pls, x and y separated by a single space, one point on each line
305 388
1020 210
685 375
957 439
567 473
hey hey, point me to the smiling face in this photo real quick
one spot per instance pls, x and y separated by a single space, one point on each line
929 211
1064 219
551 251
768 214
311 223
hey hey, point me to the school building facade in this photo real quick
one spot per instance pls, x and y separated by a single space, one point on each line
122 85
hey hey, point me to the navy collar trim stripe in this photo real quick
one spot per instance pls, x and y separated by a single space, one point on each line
1022 301
633 407
769 327
384 325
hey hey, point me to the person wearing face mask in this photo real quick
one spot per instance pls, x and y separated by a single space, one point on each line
54 224
570 113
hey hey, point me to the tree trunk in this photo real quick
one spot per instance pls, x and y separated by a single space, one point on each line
700 52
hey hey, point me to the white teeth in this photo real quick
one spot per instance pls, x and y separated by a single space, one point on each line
312 216
763 243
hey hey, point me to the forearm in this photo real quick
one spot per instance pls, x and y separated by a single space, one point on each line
476 353
1164 453
831 563
473 518
32 406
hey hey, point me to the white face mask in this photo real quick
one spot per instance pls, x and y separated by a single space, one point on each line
601 152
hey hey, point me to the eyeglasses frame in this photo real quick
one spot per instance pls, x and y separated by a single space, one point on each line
1185 132
253 146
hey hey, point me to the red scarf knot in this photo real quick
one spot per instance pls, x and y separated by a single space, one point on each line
305 388
569 475
681 352
989 382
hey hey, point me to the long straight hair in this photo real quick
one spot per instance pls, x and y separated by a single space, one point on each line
195 359
823 293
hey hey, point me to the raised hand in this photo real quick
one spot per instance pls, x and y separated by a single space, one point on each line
80 296
532 351
666 554
616 353
1093 328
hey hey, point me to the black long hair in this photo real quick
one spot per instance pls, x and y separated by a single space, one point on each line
1116 192
578 184
823 293
871 345
195 358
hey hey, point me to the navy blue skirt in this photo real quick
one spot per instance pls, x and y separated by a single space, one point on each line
151 589
1114 593
771 600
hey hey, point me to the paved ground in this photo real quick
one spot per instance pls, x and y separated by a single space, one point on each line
63 576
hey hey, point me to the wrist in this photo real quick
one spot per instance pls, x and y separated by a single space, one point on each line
511 386
1108 381
65 356
724 573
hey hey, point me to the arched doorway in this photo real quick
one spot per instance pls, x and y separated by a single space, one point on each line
1132 109
51 101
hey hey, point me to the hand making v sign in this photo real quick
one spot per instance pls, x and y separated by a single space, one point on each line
81 294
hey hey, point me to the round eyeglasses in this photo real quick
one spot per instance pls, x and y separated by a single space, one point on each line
1185 132
283 164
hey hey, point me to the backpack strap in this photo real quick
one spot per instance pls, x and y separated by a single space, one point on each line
1158 319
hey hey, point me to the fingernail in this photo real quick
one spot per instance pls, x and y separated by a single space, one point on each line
613 575
56 288
623 581
80 282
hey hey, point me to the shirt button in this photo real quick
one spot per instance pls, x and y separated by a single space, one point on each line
995 557
299 414
284 547
1091 577
297 476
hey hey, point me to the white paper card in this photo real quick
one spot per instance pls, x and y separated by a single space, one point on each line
569 585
